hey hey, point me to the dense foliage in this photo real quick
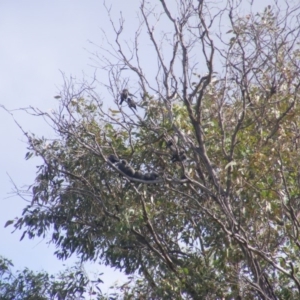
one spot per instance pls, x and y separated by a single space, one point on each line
28 285
221 220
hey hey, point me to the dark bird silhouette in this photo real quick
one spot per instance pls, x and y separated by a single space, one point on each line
139 175
151 176
178 156
169 143
113 158
126 168
131 103
124 95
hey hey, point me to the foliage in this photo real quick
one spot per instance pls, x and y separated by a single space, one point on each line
27 285
221 224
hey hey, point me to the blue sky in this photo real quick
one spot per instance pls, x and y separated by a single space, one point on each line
38 39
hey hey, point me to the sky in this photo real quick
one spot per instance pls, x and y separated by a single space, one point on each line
40 40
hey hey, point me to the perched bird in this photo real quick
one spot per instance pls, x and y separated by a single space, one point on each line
131 103
151 176
126 168
124 95
178 156
139 175
169 143
113 158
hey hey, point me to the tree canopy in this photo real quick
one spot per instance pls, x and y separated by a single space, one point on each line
28 285
195 194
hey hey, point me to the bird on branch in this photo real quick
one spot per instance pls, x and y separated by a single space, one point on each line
124 95
126 168
113 158
151 176
178 156
139 175
131 103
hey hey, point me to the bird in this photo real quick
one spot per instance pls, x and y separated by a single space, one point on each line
151 176
113 158
126 168
169 143
124 95
131 103
181 156
139 175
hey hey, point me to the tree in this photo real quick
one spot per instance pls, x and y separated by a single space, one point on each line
27 285
220 218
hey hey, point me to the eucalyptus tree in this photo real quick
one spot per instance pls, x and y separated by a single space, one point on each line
217 126
25 284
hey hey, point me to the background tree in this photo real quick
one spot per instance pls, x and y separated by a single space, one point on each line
27 285
222 219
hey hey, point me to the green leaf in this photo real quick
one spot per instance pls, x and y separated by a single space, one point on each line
8 223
